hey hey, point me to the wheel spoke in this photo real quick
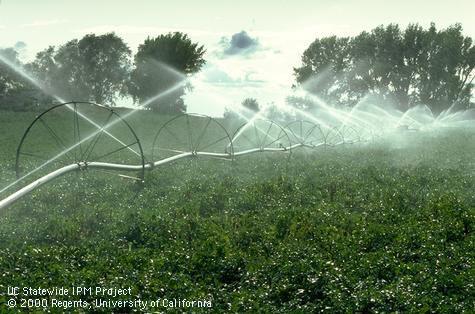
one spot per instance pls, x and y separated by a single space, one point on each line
293 133
267 134
282 136
34 155
309 132
57 139
202 134
271 138
116 150
91 146
77 131
215 142
249 140
171 150
258 139
175 137
74 134
190 137
115 174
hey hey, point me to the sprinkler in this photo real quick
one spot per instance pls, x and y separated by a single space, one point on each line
50 150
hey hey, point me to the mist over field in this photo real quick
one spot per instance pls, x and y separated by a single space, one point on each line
196 161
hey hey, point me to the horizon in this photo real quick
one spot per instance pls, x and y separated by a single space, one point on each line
264 70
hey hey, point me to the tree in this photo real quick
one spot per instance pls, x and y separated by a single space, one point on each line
414 66
251 105
16 93
94 68
300 103
161 67
448 76
323 62
9 81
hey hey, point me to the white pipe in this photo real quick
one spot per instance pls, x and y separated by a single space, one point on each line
109 166
217 155
248 151
36 184
112 166
170 159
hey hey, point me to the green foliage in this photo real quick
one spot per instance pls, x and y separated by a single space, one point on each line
161 65
370 228
15 92
251 104
249 107
94 68
409 67
8 80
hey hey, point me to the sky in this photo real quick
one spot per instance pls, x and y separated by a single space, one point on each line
252 46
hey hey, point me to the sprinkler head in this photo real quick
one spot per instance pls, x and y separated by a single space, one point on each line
82 165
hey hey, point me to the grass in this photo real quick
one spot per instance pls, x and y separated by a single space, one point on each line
376 228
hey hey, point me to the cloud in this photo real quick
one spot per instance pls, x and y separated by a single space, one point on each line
240 44
213 74
230 75
20 45
41 23
22 49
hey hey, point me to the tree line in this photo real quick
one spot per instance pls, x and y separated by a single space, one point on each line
407 67
404 66
100 69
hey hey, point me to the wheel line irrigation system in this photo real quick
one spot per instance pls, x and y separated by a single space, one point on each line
267 136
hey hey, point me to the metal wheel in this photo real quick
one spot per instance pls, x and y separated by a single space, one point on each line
334 137
192 135
350 134
305 133
83 134
260 135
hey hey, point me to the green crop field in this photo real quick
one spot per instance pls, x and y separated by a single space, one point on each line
371 227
